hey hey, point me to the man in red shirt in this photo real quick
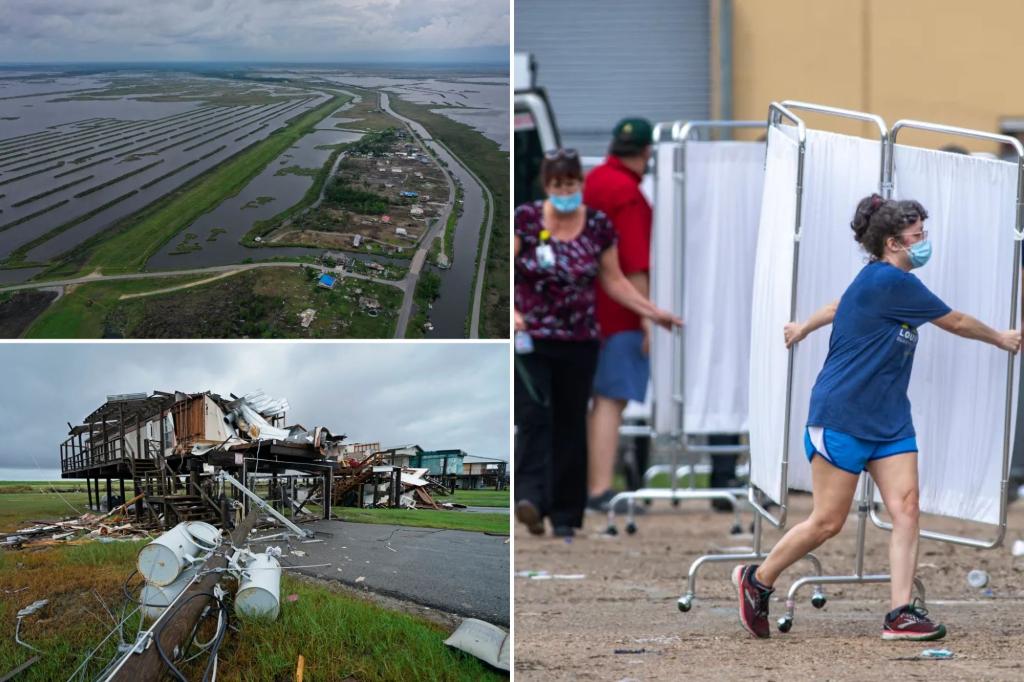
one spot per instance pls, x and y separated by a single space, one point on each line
623 368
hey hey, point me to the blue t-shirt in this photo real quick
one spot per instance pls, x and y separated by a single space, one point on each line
862 389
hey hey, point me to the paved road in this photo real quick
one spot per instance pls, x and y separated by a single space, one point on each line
451 570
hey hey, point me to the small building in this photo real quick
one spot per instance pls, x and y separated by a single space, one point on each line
416 210
396 169
401 232
441 462
401 456
356 240
306 317
385 219
374 265
368 303
326 281
483 472
410 195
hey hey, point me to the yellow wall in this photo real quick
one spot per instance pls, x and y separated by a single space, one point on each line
943 61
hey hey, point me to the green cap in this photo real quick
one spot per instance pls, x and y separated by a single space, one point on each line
634 131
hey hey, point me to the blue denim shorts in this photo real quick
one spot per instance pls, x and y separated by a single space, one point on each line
850 453
622 367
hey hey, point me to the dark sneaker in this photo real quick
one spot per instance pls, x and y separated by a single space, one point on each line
600 504
528 515
911 623
753 601
563 531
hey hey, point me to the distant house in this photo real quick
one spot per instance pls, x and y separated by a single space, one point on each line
410 195
401 231
326 281
385 219
416 210
356 240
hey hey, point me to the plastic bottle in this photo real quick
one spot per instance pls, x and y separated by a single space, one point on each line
977 578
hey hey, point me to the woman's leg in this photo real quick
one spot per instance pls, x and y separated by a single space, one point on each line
896 478
833 494
533 444
572 379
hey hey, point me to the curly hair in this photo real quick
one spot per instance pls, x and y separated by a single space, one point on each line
876 219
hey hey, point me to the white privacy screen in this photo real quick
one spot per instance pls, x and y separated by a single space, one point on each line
722 207
958 387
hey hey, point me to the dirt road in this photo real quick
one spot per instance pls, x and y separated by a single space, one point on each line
570 629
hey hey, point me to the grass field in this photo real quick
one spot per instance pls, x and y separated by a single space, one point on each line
81 313
263 302
428 518
485 158
479 498
19 509
127 246
341 637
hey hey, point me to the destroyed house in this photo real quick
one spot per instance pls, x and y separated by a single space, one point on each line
167 444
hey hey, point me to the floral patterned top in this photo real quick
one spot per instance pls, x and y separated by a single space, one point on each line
558 302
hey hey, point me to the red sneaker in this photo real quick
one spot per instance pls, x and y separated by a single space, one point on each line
911 623
753 601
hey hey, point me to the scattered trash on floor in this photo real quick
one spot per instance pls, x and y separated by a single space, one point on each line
1018 548
360 579
937 653
632 651
487 642
977 578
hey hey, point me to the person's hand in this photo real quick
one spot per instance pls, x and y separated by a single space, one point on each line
665 319
520 322
794 333
1010 340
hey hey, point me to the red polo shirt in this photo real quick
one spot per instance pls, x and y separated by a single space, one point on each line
614 190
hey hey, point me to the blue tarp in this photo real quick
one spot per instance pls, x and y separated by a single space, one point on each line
327 281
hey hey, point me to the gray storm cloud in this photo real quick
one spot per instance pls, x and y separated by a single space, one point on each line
120 30
435 395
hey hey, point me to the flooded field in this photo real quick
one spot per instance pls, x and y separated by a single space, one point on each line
107 158
280 185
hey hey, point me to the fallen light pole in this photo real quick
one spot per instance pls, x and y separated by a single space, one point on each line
172 628
263 506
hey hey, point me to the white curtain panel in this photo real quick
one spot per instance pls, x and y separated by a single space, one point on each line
839 170
958 387
722 207
663 288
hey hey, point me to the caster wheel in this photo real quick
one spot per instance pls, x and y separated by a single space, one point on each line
785 623
612 530
675 503
818 601
647 503
736 529
684 604
631 528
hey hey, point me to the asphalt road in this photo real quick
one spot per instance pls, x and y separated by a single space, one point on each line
455 571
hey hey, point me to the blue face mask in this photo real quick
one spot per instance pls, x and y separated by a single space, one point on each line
920 253
566 203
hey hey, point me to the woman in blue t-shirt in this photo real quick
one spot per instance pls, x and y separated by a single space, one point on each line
860 415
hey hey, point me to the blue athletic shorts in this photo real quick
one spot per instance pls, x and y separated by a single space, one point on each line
850 453
622 367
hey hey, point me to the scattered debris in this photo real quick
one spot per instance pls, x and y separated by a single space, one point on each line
360 579
977 578
632 651
487 642
937 653
1018 548
306 317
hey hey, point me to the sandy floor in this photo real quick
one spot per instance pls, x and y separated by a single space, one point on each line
570 629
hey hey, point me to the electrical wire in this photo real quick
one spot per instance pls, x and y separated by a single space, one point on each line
218 638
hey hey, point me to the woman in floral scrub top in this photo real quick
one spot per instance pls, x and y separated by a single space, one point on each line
562 247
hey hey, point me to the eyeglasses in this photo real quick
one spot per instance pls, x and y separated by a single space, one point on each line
561 153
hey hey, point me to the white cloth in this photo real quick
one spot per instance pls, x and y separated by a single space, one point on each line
722 209
958 387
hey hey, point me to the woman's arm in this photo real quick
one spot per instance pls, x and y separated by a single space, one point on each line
795 332
619 288
969 327
518 320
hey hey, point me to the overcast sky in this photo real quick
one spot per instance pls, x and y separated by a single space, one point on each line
253 30
435 395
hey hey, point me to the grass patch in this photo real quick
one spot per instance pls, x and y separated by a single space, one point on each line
480 498
81 313
428 518
214 233
341 636
484 157
257 303
298 170
428 288
18 510
127 246
257 202
188 244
